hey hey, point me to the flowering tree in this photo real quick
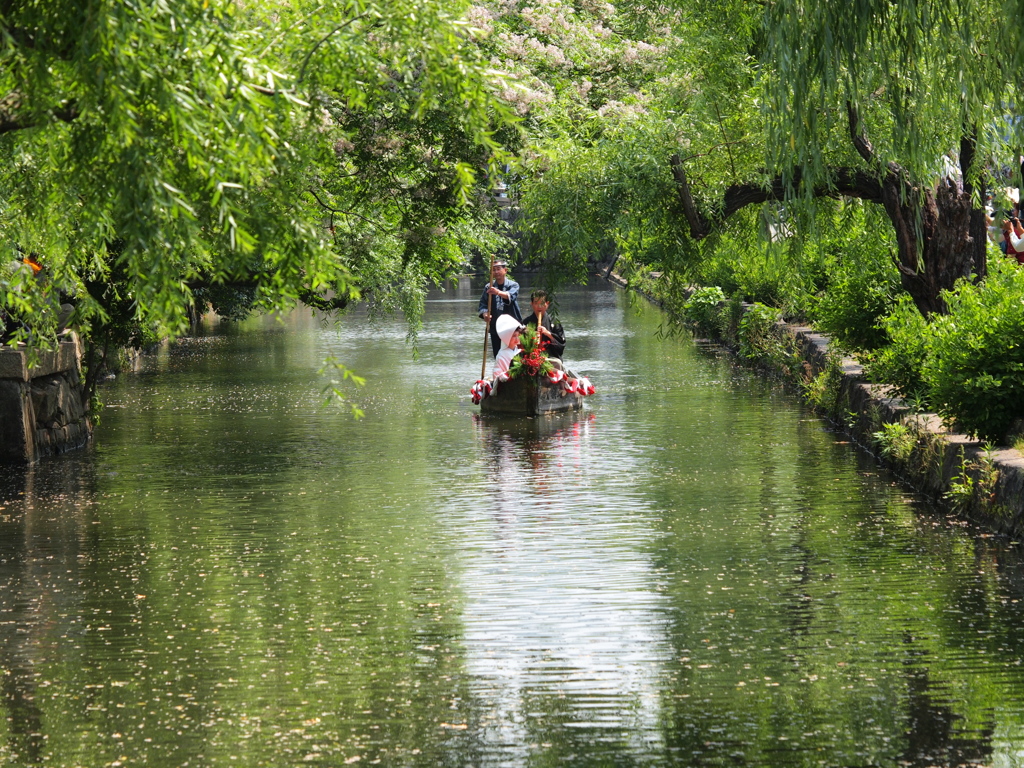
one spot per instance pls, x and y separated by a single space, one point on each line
569 62
578 72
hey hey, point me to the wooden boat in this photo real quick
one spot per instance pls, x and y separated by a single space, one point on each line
530 396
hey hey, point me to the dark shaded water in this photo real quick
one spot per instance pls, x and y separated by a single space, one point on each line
694 571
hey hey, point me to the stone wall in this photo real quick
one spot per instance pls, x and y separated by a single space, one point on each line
990 479
43 410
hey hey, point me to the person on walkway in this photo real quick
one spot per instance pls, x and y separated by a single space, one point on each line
1013 236
508 331
550 329
503 293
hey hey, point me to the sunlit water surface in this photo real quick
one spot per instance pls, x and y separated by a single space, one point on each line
693 571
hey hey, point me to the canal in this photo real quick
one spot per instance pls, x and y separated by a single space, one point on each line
693 571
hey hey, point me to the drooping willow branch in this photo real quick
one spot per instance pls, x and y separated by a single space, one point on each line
11 121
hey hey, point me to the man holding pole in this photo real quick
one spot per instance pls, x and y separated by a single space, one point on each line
500 297
548 328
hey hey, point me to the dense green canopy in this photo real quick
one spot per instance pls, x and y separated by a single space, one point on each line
162 156
151 150
765 109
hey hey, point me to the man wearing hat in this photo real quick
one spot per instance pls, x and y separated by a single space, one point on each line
503 293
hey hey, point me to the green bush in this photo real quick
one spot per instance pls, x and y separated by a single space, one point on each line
800 259
703 313
860 293
895 441
777 274
900 363
758 337
968 365
974 369
731 316
824 391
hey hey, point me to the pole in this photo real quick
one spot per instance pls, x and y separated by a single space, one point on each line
487 323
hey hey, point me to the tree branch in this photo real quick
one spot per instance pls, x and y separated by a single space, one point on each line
844 182
700 227
979 226
711 149
321 41
323 303
968 148
301 20
326 207
857 136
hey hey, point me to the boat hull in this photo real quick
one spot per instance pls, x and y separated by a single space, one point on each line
530 396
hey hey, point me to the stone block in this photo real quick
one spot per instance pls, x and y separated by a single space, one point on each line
17 422
75 409
46 400
12 364
69 353
56 401
64 399
44 443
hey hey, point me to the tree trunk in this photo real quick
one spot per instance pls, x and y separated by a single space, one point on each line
934 239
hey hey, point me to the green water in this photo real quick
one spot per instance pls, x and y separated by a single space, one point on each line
693 571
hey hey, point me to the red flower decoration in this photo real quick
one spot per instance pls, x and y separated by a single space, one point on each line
532 360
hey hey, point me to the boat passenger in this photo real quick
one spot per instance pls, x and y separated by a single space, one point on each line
551 330
508 331
504 293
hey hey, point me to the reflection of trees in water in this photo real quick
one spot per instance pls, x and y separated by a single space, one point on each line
602 745
41 540
923 733
805 613
931 733
564 639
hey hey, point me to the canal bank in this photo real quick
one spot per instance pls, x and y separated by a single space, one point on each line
43 408
979 482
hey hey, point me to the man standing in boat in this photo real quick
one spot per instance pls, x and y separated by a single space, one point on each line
502 293
550 329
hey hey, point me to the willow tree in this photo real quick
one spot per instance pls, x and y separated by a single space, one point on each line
903 104
150 148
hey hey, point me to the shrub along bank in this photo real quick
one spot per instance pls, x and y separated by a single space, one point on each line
955 360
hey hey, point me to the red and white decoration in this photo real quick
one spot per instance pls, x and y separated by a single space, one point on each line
480 390
581 386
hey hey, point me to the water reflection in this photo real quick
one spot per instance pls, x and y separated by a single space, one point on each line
42 519
691 571
563 620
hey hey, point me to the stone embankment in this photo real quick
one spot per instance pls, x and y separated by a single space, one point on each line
978 482
984 483
43 410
